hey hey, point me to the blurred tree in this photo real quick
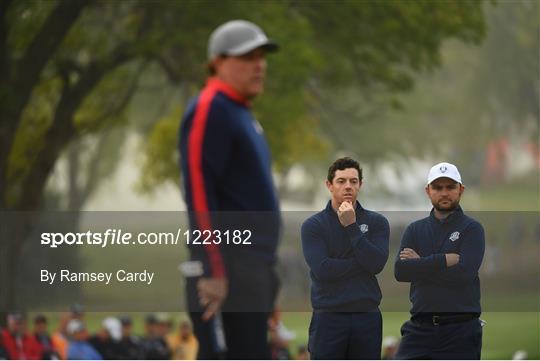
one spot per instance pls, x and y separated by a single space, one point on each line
479 96
340 68
506 79
69 69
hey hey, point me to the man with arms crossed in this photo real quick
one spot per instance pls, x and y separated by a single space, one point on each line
440 256
345 246
226 167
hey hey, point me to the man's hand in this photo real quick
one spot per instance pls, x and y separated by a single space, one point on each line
346 214
451 259
212 293
408 253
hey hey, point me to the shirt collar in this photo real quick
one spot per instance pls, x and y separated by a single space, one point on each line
219 85
457 213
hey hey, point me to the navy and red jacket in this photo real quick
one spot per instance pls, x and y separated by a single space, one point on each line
436 288
226 167
344 261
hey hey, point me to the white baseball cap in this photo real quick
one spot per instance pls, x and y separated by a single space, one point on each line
444 170
74 326
114 327
390 341
238 37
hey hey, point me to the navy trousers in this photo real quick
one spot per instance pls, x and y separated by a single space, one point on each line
455 341
241 332
345 335
244 336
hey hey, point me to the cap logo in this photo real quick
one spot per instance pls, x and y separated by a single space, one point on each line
454 236
364 228
443 169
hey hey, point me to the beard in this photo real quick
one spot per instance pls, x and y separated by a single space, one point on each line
446 208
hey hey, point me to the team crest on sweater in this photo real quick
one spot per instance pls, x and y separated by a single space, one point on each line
364 228
454 236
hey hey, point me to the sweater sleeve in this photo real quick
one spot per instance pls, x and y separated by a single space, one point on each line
323 267
410 270
207 148
471 254
371 254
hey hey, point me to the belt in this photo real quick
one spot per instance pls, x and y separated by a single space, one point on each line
437 320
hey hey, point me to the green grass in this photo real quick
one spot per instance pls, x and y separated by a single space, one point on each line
504 333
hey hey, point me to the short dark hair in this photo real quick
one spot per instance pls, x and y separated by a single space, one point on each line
40 319
341 164
210 68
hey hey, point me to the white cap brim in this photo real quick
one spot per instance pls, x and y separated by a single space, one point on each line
444 170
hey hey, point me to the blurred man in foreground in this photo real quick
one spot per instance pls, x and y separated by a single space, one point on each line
226 167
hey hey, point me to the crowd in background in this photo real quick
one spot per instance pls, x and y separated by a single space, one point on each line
115 339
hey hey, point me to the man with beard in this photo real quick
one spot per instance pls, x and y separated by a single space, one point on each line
440 256
345 247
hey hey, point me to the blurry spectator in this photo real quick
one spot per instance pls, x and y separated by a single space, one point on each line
3 352
155 347
164 325
107 340
302 353
42 337
79 348
18 344
184 344
390 345
274 319
130 345
280 337
60 339
77 312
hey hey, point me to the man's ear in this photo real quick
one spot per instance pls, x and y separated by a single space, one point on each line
328 185
461 189
427 190
360 184
216 63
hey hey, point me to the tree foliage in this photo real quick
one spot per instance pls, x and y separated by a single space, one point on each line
372 48
70 69
481 94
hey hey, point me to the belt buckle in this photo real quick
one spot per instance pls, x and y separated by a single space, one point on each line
436 320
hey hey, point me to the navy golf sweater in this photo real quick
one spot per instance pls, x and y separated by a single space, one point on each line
343 261
226 167
436 288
